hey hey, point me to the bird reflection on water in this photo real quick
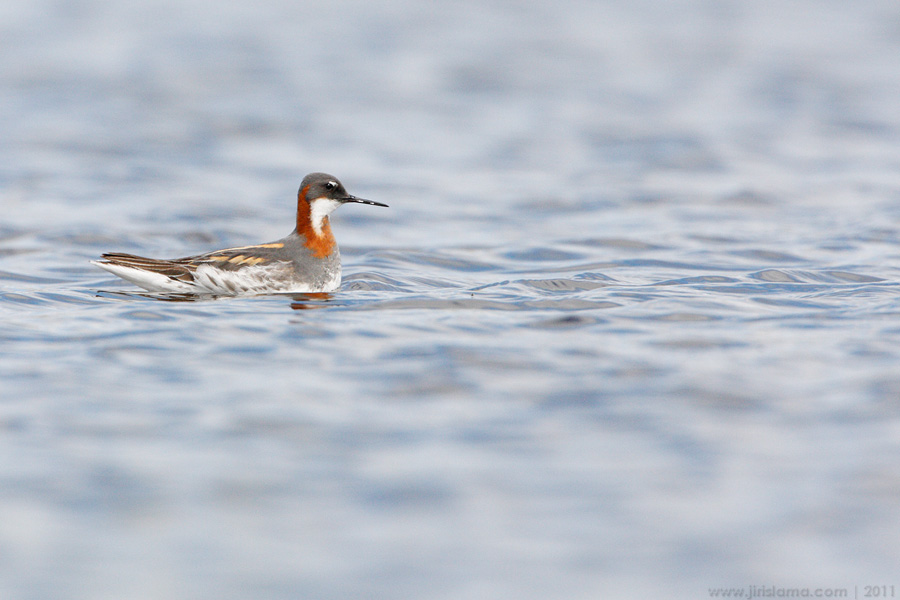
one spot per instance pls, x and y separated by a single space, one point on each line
298 301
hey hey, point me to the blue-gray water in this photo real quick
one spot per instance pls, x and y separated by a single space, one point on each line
630 328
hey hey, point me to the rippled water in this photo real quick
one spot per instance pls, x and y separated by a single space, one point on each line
629 328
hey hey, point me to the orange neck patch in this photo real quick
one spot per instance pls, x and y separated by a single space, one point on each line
321 244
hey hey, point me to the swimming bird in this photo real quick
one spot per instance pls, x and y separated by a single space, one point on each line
305 261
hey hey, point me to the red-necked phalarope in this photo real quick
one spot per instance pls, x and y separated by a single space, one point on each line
306 261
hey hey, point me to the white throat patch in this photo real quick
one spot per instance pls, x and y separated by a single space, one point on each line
320 208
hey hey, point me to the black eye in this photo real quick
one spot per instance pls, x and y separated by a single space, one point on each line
331 186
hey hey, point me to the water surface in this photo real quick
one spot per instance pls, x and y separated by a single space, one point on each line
629 328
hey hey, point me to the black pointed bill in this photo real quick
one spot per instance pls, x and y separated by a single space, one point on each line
362 201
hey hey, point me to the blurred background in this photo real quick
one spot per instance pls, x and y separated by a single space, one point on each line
628 329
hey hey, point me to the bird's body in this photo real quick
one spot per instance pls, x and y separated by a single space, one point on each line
305 261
